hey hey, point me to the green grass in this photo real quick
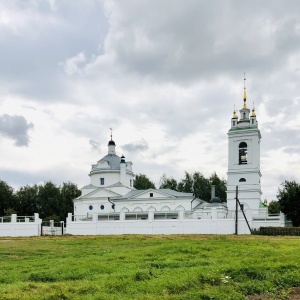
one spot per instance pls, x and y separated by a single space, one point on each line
147 267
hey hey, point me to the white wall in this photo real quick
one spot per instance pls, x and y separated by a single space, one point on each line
15 228
150 226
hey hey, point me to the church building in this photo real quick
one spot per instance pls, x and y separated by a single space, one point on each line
111 205
111 191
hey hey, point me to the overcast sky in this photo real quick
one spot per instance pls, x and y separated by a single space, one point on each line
164 74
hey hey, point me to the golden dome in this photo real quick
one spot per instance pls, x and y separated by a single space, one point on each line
234 115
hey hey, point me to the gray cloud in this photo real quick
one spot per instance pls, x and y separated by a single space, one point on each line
184 42
94 145
136 146
16 128
39 39
280 138
170 65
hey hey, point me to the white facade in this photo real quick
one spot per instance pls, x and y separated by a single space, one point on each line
112 169
244 160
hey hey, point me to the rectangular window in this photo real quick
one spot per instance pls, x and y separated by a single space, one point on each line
151 194
130 182
233 123
101 181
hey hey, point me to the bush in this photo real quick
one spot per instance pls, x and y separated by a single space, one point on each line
278 231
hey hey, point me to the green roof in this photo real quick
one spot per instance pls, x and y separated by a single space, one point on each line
243 128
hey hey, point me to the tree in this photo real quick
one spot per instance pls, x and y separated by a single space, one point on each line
274 207
201 187
186 184
69 192
7 199
289 200
142 182
49 203
220 185
27 198
168 183
9 212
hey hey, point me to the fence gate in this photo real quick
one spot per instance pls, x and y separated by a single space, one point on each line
52 228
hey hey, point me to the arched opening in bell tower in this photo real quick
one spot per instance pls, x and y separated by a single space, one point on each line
243 153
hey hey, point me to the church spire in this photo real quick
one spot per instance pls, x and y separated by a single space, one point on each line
111 144
245 95
111 134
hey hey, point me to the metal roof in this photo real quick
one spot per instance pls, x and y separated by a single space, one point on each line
113 161
163 191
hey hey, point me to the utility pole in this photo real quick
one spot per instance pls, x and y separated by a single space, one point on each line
237 204
236 210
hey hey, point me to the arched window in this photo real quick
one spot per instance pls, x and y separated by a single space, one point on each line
137 209
242 180
243 153
165 208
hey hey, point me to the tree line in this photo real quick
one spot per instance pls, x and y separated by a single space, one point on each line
55 202
50 201
195 183
288 195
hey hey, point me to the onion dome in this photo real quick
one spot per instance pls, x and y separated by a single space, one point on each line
215 200
234 115
122 159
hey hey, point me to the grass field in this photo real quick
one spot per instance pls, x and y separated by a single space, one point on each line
147 267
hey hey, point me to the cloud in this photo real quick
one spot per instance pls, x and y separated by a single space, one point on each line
138 146
184 42
72 65
15 128
94 145
165 75
37 36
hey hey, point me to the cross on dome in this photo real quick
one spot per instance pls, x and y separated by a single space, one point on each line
245 95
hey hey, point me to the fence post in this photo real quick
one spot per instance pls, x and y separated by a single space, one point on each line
95 217
180 214
122 215
69 219
150 216
52 227
14 218
62 227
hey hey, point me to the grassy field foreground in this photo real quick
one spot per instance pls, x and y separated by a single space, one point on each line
147 267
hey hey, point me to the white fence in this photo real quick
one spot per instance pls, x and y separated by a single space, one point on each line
177 222
151 223
20 225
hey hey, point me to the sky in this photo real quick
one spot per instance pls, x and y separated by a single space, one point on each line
165 75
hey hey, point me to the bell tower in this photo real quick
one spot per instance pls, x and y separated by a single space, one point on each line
244 159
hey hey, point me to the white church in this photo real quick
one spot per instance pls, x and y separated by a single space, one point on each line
111 205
